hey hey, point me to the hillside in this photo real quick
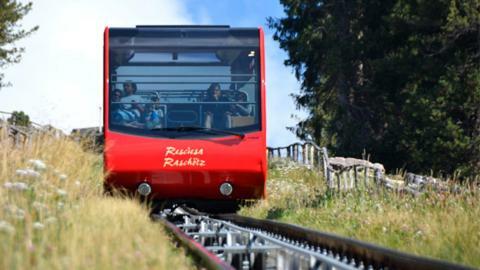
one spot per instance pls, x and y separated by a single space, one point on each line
441 225
53 214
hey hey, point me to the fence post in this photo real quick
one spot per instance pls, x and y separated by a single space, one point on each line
320 162
295 152
366 175
304 156
355 176
17 139
378 176
350 178
326 168
338 181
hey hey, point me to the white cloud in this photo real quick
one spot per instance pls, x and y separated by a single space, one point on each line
59 80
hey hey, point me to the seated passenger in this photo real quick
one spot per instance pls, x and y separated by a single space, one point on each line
216 114
241 109
120 115
153 115
132 100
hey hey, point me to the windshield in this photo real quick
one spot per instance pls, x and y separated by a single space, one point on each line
155 91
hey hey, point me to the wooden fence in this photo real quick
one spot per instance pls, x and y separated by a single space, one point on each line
340 173
350 173
18 135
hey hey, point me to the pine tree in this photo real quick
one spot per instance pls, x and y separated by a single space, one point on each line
11 12
399 79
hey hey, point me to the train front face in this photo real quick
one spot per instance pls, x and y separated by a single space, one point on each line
185 112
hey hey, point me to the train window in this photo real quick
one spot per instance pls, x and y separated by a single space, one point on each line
157 90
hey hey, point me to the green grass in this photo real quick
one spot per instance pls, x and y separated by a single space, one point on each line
440 225
59 219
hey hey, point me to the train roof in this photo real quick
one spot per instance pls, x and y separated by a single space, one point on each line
184 36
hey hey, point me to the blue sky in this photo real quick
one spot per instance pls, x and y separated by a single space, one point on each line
235 13
59 79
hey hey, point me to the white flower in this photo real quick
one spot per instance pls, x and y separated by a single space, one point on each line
50 220
28 173
19 214
77 183
39 206
61 192
19 186
8 185
21 172
38 226
6 227
38 164
60 205
62 177
16 212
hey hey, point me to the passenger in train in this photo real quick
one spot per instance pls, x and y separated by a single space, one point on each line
216 114
132 100
241 109
153 115
120 115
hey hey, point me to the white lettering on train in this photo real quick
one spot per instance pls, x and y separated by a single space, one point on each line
194 162
183 151
186 161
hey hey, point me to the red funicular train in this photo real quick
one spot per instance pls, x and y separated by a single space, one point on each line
184 115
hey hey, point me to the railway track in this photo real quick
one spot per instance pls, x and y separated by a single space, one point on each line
230 241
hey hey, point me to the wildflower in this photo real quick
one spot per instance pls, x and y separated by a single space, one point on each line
8 185
38 164
50 220
6 227
16 212
39 206
38 226
60 205
19 186
30 246
384 229
28 173
77 183
62 177
61 192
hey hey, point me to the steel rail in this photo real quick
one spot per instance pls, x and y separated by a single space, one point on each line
249 243
280 242
250 248
372 255
203 255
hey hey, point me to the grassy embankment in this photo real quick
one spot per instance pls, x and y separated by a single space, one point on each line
57 218
445 226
